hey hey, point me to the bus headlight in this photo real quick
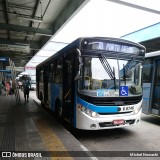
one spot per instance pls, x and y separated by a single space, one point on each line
137 110
94 114
87 111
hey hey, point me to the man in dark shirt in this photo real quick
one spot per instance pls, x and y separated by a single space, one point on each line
26 87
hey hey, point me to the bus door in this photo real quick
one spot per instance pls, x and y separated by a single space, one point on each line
156 91
147 85
45 81
68 88
37 82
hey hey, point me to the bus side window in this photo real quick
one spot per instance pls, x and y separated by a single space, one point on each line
51 72
59 72
147 70
41 75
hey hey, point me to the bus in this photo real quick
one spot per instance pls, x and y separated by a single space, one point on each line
151 84
94 83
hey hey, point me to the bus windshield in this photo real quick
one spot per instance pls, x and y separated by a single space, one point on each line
107 77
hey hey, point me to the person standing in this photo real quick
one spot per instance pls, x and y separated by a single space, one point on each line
11 85
7 88
26 87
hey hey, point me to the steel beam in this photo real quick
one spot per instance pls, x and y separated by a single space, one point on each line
12 27
7 16
18 6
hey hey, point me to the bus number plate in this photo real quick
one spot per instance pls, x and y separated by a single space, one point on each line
118 121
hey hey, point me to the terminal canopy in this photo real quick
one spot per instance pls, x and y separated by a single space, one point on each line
102 18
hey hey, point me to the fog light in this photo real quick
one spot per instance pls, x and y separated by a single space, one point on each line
136 111
94 114
93 125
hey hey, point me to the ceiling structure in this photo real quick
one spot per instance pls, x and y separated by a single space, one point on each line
25 26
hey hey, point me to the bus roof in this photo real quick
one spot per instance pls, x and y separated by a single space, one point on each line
152 54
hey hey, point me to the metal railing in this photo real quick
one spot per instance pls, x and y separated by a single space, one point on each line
14 84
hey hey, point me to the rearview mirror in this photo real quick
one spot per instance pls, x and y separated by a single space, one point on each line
80 64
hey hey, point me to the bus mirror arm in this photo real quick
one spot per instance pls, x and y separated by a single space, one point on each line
80 65
79 56
77 76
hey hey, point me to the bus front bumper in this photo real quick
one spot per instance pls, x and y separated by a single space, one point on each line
86 122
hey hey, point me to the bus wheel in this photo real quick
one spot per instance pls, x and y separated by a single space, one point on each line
42 104
59 110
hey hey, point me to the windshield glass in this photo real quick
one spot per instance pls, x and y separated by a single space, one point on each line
104 77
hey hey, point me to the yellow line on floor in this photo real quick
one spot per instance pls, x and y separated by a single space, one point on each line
51 141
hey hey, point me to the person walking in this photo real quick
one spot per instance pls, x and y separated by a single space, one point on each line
7 88
11 85
26 87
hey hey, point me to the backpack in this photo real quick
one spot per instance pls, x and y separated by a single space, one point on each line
26 85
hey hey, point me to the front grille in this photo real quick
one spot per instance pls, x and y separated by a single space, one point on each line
116 101
114 113
111 101
110 124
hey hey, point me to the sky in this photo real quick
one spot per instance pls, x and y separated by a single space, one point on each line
100 18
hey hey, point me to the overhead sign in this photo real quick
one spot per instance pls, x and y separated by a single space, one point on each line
7 71
15 47
115 47
110 46
4 59
19 69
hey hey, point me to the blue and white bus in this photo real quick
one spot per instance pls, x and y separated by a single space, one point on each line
94 83
151 84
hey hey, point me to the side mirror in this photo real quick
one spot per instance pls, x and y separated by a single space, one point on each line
77 76
80 65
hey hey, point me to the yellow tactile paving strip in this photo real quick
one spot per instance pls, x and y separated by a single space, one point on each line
51 141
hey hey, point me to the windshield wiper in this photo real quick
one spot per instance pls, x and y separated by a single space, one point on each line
114 79
124 74
106 66
129 66
108 69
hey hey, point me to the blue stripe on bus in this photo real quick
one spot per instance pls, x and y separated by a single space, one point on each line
75 102
146 99
55 93
99 109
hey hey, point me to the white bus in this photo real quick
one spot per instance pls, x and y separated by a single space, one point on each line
151 84
94 83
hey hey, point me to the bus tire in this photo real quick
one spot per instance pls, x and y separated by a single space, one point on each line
58 109
41 96
42 104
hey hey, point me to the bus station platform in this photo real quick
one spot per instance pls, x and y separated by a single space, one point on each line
28 131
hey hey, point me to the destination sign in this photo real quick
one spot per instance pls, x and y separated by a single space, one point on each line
95 45
118 48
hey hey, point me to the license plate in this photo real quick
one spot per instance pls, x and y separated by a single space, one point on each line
118 121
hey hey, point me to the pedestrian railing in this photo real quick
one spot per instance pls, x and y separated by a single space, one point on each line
14 84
